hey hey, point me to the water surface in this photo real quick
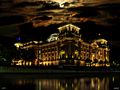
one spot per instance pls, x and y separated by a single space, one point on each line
59 82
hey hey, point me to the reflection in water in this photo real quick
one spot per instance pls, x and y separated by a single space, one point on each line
71 83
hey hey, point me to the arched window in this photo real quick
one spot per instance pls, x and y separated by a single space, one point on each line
62 54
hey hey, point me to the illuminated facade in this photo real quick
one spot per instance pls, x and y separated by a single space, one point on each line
67 48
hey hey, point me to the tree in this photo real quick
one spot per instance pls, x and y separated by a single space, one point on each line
95 61
101 62
7 54
28 55
88 61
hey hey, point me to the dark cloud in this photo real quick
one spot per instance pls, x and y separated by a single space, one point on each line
95 19
9 31
11 19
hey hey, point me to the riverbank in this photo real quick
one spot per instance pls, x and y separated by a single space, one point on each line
54 70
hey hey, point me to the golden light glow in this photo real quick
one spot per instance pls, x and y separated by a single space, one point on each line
102 41
61 4
66 46
76 52
62 52
18 44
78 57
69 27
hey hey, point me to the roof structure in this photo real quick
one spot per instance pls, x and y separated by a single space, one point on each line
69 27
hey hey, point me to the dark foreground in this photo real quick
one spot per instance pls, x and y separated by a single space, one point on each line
67 78
59 81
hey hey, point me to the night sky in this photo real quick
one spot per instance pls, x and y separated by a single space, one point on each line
97 19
